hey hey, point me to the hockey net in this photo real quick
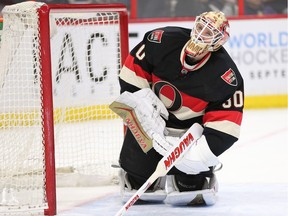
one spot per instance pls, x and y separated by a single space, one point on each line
55 89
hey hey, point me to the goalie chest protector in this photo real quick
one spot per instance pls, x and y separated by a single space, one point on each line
209 82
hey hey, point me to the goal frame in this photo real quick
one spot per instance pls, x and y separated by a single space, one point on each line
45 61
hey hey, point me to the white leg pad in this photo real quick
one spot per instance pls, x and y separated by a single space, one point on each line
126 191
206 196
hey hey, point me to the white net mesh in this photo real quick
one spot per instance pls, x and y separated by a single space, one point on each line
21 156
85 64
85 60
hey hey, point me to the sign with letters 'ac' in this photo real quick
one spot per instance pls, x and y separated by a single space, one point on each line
85 64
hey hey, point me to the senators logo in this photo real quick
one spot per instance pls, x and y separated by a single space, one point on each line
181 105
169 95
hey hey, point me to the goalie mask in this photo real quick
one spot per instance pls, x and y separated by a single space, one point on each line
210 32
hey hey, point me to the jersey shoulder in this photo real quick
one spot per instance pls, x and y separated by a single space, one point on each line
223 59
166 34
224 78
159 42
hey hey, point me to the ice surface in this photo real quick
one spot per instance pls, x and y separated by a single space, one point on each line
253 181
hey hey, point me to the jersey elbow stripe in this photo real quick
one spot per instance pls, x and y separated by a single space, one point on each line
130 77
232 116
186 113
130 63
225 127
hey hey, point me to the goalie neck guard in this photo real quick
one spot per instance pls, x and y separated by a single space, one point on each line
210 32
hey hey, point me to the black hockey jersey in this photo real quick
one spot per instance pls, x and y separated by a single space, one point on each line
210 92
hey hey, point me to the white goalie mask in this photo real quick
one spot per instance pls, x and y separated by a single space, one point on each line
210 32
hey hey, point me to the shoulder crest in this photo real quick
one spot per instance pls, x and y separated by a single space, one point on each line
155 36
230 77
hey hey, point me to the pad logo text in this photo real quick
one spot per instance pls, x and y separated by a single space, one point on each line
136 132
178 151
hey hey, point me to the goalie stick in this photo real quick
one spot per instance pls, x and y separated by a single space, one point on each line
167 162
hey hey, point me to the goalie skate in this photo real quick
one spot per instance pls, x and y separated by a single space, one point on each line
206 196
157 194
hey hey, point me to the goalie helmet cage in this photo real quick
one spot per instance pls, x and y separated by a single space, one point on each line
54 98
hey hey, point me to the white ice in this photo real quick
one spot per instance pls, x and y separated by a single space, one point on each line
253 181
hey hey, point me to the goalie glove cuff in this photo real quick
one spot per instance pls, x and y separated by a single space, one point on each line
198 158
205 153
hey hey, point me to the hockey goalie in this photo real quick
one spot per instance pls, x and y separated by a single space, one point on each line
173 79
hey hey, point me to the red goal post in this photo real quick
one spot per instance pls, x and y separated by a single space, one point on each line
1 26
58 74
